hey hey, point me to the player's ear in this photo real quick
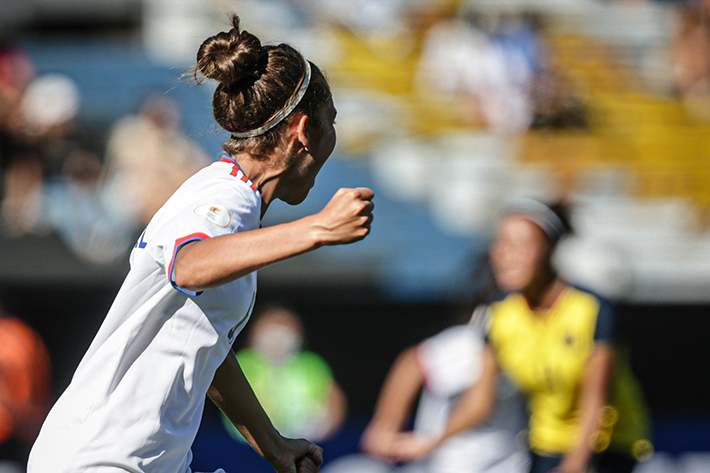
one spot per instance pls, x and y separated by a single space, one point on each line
300 125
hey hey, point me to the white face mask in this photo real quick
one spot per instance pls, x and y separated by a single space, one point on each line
277 343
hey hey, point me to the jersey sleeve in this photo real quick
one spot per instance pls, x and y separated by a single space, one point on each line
200 219
450 361
605 330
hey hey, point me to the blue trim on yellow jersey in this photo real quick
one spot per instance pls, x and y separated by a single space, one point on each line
605 330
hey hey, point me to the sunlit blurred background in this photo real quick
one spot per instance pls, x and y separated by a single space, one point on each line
447 109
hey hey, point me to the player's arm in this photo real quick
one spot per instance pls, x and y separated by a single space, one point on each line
592 399
216 261
337 410
593 390
476 404
231 392
473 408
399 391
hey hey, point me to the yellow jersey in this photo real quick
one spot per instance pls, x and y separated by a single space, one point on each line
546 352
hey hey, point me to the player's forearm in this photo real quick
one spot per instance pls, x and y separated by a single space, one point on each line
231 392
476 404
337 410
469 413
399 391
216 261
593 397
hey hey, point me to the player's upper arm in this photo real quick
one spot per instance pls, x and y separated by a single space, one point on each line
202 220
605 330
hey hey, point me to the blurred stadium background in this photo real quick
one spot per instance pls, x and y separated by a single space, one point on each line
603 103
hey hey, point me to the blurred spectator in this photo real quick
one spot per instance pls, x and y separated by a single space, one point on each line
148 157
556 105
50 107
46 135
484 66
19 170
295 386
24 390
51 179
22 190
516 37
456 62
72 208
16 71
492 70
691 57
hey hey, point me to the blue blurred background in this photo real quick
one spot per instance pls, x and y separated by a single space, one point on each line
446 109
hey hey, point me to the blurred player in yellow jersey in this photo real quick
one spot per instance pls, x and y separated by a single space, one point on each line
557 343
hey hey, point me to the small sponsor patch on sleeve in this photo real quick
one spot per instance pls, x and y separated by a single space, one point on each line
215 213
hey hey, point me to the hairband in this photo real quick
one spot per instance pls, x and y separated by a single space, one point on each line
278 118
541 215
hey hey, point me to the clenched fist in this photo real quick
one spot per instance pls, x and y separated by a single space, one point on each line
346 218
298 456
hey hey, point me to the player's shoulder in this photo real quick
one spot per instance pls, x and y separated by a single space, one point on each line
311 365
506 314
504 300
590 294
602 309
450 335
248 357
500 296
215 186
310 357
220 176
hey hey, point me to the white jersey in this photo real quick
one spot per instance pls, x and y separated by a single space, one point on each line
451 362
136 399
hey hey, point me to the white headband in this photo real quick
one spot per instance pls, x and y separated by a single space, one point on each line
541 215
278 118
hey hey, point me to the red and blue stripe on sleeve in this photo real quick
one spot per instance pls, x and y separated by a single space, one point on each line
178 244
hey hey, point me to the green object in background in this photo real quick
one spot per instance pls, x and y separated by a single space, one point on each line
295 393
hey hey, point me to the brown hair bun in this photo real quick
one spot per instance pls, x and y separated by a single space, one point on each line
230 57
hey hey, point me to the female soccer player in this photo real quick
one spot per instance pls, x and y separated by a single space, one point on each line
136 399
556 342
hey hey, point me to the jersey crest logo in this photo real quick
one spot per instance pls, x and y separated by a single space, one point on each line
217 214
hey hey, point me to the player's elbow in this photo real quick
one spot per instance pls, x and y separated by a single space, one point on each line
185 280
188 270
187 275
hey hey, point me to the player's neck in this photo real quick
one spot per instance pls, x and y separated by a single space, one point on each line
542 294
263 174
